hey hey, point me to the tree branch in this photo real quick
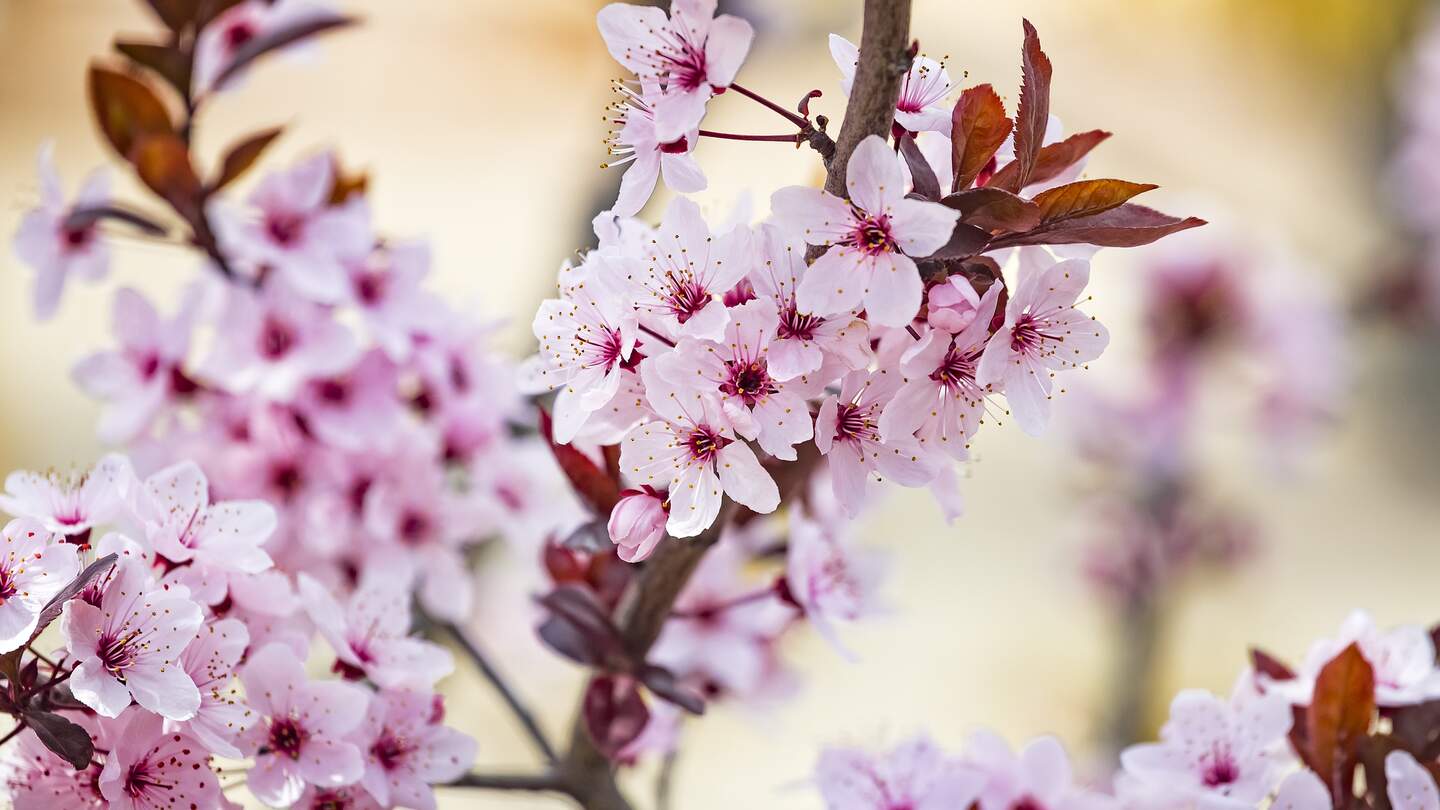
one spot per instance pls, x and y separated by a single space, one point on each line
884 58
517 707
540 783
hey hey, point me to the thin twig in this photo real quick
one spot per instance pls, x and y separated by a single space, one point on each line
517 707
786 114
542 783
736 136
19 727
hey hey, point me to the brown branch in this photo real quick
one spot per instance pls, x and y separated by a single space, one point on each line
501 686
539 783
884 59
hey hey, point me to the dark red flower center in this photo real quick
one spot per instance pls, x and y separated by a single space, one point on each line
705 444
277 338
287 737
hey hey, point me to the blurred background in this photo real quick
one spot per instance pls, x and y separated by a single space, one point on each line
480 123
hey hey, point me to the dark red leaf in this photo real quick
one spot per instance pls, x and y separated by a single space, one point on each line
163 162
994 209
1085 198
57 602
591 483
663 683
81 218
1435 638
279 38
965 241
1341 713
1053 159
1373 751
979 126
126 109
614 712
1418 728
1033 115
240 157
174 13
167 62
922 176
1269 666
1128 225
580 629
69 741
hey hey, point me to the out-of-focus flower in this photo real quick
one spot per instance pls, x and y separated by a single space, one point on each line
1403 658
53 247
1037 776
923 88
829 577
915 774
149 768
407 750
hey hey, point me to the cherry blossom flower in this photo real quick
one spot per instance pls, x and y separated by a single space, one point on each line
1223 754
35 566
692 54
356 409
211 661
145 374
295 232
940 399
802 342
51 246
70 504
870 238
1403 659
914 775
1043 333
586 338
637 523
406 751
847 432
352 797
302 737
635 143
129 646
684 272
829 578
32 777
692 450
385 290
239 25
1037 776
151 769
272 341
736 372
952 305
1408 785
923 89
370 633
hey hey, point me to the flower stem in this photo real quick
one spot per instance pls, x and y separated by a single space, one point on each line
733 136
652 333
739 601
517 707
786 114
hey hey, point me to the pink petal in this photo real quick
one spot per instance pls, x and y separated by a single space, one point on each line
921 227
873 179
895 290
836 283
725 49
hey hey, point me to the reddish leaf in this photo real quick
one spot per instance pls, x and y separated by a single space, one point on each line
1128 225
163 163
68 740
1373 751
1340 715
994 209
1086 198
614 712
1435 638
979 126
240 157
663 683
1418 728
126 109
921 175
168 62
1053 159
965 241
580 629
347 185
1033 115
591 483
279 38
1269 666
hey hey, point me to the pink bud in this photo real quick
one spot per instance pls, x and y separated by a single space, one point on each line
952 305
637 523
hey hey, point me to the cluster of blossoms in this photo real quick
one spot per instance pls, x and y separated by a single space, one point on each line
182 643
1363 703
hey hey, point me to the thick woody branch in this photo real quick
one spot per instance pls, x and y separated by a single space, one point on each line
884 59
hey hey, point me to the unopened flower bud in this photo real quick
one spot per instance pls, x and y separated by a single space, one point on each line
952 304
637 523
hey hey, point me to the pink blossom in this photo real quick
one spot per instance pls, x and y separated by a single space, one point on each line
683 273
829 577
692 450
736 372
1038 776
303 730
272 341
385 290
586 338
1043 333
802 343
241 24
150 768
70 504
637 523
53 249
370 632
1403 659
356 409
952 305
636 143
34 567
1408 785
144 375
940 399
351 797
871 237
692 55
1224 754
129 646
296 234
923 89
914 775
407 751
32 777
185 527
211 661
847 432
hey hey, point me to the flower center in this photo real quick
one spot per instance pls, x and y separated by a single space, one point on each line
333 391
413 527
750 381
285 229
78 238
1027 803
239 34
390 751
116 653
7 585
796 325
854 423
705 444
139 780
872 236
1027 338
1220 771
685 297
957 370
370 288
277 338
679 56
287 737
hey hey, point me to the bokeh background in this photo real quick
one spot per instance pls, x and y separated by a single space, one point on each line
480 122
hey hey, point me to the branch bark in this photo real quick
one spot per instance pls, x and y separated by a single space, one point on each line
517 706
884 59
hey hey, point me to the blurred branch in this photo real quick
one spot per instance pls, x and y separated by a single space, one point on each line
491 674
